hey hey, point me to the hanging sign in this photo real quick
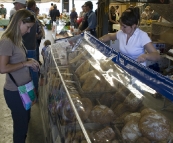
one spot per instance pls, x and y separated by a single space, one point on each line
145 1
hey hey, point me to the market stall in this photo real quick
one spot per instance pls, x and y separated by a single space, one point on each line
92 93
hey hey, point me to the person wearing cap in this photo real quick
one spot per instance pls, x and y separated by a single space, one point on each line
3 10
18 4
89 22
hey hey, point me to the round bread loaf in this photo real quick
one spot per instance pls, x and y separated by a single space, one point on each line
121 118
104 135
107 99
154 126
131 132
115 104
83 107
133 116
142 140
122 94
101 114
132 102
119 110
147 111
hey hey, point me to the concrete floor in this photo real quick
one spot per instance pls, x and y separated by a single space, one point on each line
35 131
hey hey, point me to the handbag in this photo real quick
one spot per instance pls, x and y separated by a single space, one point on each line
27 93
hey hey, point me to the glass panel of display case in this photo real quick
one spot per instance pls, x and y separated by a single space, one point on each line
92 99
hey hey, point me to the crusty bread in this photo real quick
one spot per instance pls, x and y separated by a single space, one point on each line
133 116
147 111
119 110
132 102
107 99
101 114
142 140
104 135
83 68
131 132
154 126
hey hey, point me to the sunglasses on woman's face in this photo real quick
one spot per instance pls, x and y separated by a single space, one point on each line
30 18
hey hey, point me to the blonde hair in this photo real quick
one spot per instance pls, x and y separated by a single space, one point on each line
13 31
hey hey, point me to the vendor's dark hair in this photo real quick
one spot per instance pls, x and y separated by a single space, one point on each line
130 16
47 42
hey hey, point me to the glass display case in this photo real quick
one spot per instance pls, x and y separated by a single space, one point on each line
93 94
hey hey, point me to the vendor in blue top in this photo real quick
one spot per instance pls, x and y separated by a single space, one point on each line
133 42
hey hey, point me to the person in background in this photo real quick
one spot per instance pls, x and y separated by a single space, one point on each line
83 12
13 60
117 10
18 4
30 42
89 22
73 17
40 34
51 8
3 11
146 14
54 14
81 15
112 19
133 42
44 53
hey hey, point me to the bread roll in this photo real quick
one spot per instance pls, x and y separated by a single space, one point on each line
107 99
119 110
147 111
121 118
101 114
131 132
83 107
78 57
132 102
104 135
114 104
90 82
83 68
154 126
133 116
85 76
122 94
142 140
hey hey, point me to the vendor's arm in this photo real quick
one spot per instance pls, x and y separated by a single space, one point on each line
6 67
108 37
151 55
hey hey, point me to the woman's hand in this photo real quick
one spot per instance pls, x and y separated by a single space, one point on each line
142 58
32 63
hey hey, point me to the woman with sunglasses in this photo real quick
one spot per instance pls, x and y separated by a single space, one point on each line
13 60
133 42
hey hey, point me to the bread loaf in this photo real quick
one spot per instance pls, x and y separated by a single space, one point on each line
132 102
142 140
133 116
83 107
107 99
121 118
78 57
101 114
104 135
154 126
147 111
131 132
90 82
122 94
83 68
85 76
119 110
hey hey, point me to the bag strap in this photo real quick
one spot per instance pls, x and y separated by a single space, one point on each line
12 79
